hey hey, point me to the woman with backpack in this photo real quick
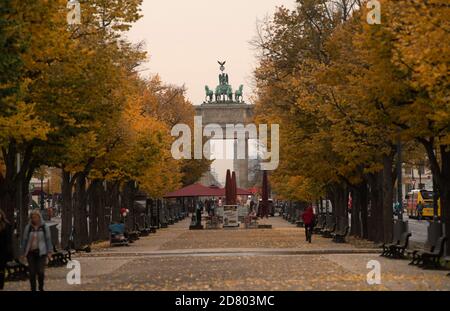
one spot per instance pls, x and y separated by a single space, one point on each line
36 247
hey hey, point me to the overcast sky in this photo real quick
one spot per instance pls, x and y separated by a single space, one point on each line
186 38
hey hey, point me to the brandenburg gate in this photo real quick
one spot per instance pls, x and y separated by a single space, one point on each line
222 106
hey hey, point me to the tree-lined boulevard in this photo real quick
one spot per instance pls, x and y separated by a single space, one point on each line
359 91
276 259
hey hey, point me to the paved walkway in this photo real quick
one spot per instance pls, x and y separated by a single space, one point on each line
256 259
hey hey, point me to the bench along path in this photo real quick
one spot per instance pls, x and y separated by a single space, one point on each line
254 259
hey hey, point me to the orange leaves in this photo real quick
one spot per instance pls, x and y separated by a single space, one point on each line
337 87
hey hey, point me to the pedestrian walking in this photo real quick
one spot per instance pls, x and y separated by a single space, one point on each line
419 210
208 207
6 252
36 248
198 213
308 221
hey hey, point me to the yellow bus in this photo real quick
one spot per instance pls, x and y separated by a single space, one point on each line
424 197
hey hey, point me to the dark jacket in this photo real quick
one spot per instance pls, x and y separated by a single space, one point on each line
6 249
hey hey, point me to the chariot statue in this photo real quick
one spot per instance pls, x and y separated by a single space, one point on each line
223 92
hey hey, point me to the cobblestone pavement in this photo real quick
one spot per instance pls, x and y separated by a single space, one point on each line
257 259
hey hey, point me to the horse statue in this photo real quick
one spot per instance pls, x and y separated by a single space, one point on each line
230 93
209 94
224 92
238 95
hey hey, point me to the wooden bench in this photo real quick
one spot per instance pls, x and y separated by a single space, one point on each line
398 250
416 254
142 231
329 230
340 235
145 231
132 235
16 271
432 259
387 247
386 252
321 224
60 258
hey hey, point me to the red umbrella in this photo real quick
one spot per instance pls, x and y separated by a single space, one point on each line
227 188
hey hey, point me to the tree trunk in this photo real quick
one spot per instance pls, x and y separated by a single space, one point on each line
442 178
80 213
93 206
97 224
66 209
388 193
113 200
7 200
8 183
362 190
26 199
333 200
128 202
376 208
355 228
12 181
444 187
101 215
341 206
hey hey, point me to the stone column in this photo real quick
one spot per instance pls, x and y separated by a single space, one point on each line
241 166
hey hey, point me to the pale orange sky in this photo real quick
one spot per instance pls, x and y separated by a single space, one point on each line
185 38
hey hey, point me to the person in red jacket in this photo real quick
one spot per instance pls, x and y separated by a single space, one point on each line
308 220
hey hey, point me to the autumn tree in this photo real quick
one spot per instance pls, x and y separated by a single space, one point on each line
347 93
292 49
34 39
421 52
